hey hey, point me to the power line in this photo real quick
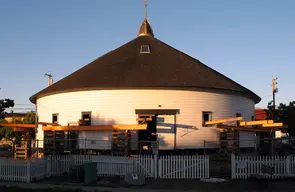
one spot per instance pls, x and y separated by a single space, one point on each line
24 104
21 108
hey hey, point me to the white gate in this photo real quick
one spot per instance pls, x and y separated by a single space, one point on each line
184 167
147 165
113 165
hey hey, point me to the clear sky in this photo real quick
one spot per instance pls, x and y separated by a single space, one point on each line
248 41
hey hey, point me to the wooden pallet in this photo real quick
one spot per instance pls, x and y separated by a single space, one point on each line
120 143
54 142
229 143
22 150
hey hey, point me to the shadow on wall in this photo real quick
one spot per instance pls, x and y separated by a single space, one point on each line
162 141
169 127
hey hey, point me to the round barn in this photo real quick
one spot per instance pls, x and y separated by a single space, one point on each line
143 82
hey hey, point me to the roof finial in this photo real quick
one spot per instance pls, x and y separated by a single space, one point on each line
145 28
145 2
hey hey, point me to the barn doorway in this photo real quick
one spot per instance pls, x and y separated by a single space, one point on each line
148 139
151 122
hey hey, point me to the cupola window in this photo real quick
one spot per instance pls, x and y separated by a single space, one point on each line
145 49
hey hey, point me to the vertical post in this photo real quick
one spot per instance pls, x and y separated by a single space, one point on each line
37 148
204 147
272 139
274 91
160 168
28 171
175 132
85 147
208 166
156 166
288 166
233 166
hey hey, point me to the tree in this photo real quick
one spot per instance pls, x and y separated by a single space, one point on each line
5 104
30 118
7 132
285 113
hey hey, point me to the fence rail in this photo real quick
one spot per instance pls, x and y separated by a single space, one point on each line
272 167
169 167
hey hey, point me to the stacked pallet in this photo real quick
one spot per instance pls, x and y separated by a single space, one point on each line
229 143
54 142
23 149
120 143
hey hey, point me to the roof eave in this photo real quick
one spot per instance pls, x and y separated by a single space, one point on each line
250 94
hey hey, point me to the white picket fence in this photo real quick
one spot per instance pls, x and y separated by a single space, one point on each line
245 166
168 167
22 171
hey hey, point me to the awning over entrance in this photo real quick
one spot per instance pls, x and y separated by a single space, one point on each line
158 111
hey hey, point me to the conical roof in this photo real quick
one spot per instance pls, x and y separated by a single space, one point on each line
146 63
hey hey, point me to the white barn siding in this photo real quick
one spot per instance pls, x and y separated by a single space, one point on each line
118 107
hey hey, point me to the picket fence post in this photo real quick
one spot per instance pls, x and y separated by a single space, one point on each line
45 166
208 166
156 166
288 165
233 166
28 171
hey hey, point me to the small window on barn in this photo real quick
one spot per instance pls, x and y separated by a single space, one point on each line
55 118
207 116
145 49
86 118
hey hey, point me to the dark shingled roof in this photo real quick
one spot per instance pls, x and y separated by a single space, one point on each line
164 68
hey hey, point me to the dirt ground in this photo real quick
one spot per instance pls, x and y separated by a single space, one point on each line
227 186
184 185
173 185
170 185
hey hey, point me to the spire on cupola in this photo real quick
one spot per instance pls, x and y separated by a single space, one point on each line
145 28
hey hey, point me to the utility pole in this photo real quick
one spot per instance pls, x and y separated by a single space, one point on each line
274 91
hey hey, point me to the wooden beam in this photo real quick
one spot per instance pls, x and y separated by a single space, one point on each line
273 125
223 120
130 127
19 129
239 128
95 128
246 123
144 119
44 123
18 125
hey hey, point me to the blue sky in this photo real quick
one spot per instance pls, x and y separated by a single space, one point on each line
248 41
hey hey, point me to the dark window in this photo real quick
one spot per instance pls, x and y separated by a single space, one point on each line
239 115
86 118
145 49
207 116
55 118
